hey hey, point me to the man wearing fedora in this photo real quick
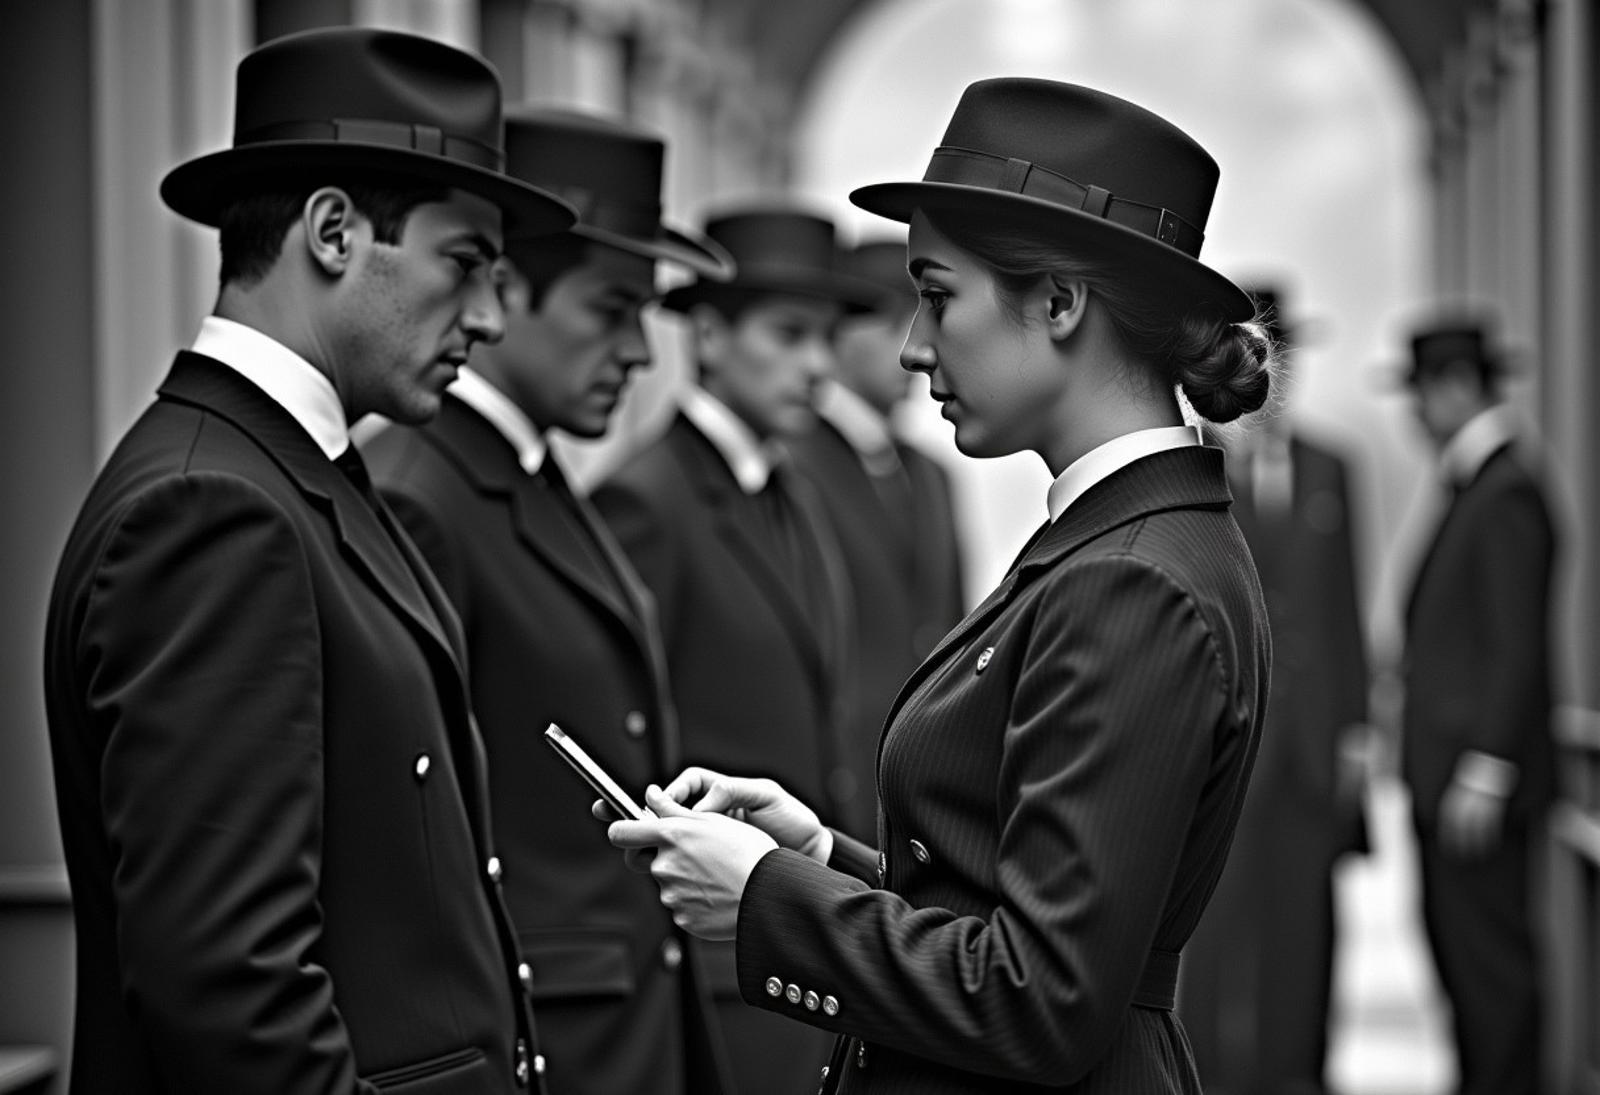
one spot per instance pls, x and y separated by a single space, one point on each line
889 504
1258 972
753 596
559 627
1477 749
269 785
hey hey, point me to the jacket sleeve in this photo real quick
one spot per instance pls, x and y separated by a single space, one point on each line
1516 557
200 656
1110 728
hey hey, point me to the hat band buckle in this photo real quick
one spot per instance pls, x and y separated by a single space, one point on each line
970 167
427 139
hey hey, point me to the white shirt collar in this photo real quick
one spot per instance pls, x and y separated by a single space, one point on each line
750 461
289 379
505 416
1463 456
860 424
1113 455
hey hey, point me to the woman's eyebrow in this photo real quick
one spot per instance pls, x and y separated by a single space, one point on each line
918 265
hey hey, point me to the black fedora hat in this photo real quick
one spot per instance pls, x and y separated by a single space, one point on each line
1087 167
776 250
355 98
1452 343
610 172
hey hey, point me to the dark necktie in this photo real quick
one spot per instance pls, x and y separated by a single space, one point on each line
355 469
794 554
574 524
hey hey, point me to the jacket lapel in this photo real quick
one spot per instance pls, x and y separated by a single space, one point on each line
389 562
1189 477
733 517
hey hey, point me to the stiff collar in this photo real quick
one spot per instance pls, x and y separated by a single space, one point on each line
1464 455
747 457
287 378
504 415
1119 452
860 424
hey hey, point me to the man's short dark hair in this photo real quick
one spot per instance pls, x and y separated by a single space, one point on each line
541 261
253 227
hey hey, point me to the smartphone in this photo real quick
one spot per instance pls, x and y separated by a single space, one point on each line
596 776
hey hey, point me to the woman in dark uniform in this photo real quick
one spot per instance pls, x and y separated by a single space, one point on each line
1061 778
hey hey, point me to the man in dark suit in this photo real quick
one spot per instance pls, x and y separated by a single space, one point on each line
1258 972
753 597
559 627
1477 749
890 508
269 785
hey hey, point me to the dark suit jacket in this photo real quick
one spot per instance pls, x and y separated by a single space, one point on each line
1306 559
877 544
1061 779
271 793
560 630
1477 661
939 592
758 690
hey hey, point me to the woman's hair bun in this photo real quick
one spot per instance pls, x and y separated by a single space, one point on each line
1231 374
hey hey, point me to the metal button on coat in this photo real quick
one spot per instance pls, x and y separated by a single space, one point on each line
423 763
830 1005
774 987
538 1063
919 851
493 868
525 975
635 724
813 1001
792 993
983 659
672 954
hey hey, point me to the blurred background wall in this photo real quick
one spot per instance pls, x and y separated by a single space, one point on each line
1380 158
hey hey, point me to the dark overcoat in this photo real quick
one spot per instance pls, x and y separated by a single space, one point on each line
271 792
559 629
1060 782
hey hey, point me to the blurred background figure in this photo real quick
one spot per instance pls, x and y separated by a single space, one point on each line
754 599
1257 975
1477 749
890 507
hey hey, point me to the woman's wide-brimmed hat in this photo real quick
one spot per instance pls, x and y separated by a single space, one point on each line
361 99
776 250
610 172
1087 168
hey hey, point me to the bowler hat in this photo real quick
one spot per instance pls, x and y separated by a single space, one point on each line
1088 168
776 250
610 172
353 98
1452 343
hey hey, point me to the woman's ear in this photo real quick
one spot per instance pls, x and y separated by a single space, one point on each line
329 218
1065 304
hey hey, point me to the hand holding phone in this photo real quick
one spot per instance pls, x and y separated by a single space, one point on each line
597 777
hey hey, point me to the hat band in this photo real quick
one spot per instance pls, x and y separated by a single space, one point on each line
969 167
427 139
625 218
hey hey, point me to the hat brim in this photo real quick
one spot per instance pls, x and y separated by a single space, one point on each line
855 295
705 257
1195 284
201 188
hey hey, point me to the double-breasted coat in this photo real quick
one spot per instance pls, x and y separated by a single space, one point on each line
1059 781
559 629
758 689
271 792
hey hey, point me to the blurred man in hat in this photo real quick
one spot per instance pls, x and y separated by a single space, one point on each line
1258 972
559 627
269 783
753 596
890 507
1477 749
